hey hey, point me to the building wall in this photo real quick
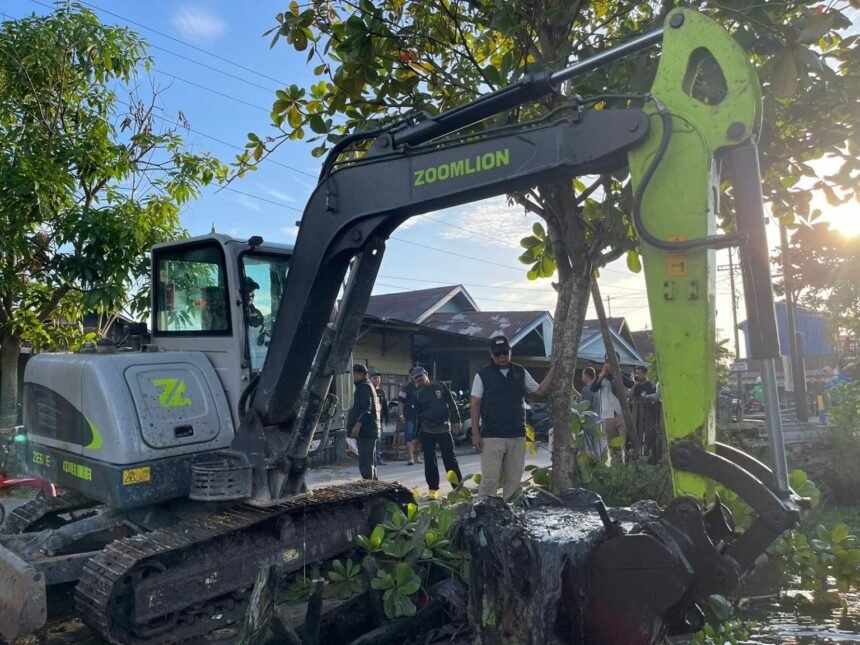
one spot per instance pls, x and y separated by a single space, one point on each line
396 359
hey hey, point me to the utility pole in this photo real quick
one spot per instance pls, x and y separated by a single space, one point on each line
730 267
798 374
735 322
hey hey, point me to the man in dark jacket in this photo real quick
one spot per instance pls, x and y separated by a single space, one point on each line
498 395
437 413
364 421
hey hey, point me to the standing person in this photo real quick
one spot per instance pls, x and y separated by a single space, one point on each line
437 414
363 421
595 443
498 395
611 416
645 430
376 381
641 385
406 416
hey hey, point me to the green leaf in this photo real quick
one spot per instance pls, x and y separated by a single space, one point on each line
294 117
377 535
531 242
633 261
797 478
317 124
817 26
617 442
402 573
784 79
839 532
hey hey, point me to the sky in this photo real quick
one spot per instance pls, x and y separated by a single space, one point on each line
213 65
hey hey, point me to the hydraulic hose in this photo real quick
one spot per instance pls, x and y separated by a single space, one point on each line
711 241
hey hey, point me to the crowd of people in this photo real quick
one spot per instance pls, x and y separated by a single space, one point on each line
605 434
427 413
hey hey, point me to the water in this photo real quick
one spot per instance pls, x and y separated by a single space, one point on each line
779 622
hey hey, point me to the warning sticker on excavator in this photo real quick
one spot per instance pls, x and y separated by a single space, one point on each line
677 264
135 476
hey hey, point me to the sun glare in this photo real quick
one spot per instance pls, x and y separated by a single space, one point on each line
845 219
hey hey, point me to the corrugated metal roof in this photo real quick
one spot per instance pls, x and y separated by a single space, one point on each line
644 342
407 306
485 324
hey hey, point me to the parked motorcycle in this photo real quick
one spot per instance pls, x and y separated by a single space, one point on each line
464 406
537 416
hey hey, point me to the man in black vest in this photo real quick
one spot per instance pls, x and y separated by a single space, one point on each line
363 421
437 413
498 395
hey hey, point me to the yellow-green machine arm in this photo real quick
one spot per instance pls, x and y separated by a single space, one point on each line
707 91
704 112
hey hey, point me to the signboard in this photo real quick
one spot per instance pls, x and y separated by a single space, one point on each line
739 366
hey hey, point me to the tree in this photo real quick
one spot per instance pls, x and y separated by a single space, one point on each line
88 182
379 62
826 268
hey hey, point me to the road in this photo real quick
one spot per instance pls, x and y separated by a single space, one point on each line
410 476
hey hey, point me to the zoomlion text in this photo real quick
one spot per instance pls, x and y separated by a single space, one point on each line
462 167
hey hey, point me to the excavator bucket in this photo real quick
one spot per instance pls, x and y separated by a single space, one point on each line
23 597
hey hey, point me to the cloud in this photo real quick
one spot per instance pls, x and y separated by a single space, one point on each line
492 222
197 24
290 232
277 194
248 204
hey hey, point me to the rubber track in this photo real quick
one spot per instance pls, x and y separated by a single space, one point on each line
26 515
104 572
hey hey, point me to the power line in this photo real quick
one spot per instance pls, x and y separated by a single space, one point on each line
209 89
489 286
182 42
262 199
507 302
185 80
214 69
225 143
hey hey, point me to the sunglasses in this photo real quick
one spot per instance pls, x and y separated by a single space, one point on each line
504 352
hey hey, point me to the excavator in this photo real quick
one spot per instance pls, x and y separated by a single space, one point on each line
184 466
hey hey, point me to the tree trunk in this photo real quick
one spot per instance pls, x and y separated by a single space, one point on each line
10 349
570 310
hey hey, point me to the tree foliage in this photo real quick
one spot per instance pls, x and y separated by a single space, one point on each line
382 62
88 181
826 272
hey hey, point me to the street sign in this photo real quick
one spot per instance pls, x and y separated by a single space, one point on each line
739 366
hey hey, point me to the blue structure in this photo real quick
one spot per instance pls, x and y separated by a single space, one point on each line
811 328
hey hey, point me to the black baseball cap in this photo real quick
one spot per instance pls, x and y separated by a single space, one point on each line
417 371
499 344
372 372
358 368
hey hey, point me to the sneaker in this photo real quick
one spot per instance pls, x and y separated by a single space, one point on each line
433 494
410 463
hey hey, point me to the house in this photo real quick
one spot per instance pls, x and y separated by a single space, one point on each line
593 349
443 330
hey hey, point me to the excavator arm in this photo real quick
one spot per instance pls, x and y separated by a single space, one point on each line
674 146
